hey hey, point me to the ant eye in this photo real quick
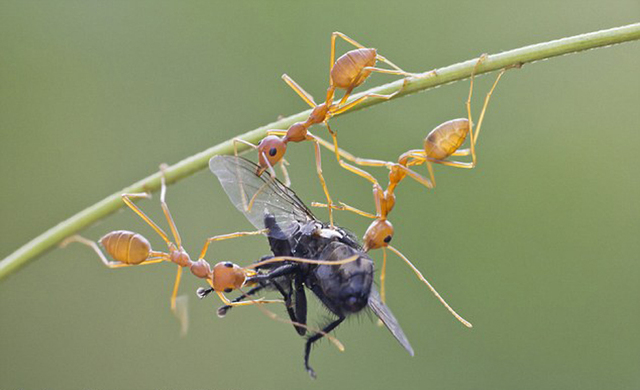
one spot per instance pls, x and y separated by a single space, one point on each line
387 239
273 151
228 264
228 290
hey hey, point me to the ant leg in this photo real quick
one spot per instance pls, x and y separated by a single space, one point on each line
334 35
245 303
419 178
334 136
468 106
279 259
237 141
174 294
417 159
474 137
462 152
222 310
279 133
285 172
228 236
360 172
457 164
389 71
378 193
299 90
165 207
341 107
182 313
433 290
350 157
126 198
341 152
367 162
345 207
272 177
346 38
398 70
155 257
322 181
430 169
179 305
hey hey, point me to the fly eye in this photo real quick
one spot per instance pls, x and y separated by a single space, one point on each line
228 264
228 290
387 239
273 151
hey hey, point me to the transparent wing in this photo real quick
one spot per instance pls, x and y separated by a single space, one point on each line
388 319
260 196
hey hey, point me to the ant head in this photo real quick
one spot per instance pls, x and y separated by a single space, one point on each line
378 235
227 276
296 133
272 148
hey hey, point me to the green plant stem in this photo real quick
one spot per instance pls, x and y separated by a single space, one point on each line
192 164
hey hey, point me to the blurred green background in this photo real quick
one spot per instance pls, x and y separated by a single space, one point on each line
538 247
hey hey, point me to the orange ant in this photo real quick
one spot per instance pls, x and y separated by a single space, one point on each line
347 72
128 248
441 143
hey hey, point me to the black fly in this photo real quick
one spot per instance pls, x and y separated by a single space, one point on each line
294 231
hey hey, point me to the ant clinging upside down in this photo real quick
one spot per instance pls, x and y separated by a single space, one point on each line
347 72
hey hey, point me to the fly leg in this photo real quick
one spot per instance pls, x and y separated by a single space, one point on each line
316 337
300 310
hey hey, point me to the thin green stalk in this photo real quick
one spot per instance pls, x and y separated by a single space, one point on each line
192 164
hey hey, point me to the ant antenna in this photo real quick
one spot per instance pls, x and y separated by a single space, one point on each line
433 290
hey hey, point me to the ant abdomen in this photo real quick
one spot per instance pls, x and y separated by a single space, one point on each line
347 72
445 139
126 247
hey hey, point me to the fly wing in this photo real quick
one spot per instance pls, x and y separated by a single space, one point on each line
388 319
259 196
